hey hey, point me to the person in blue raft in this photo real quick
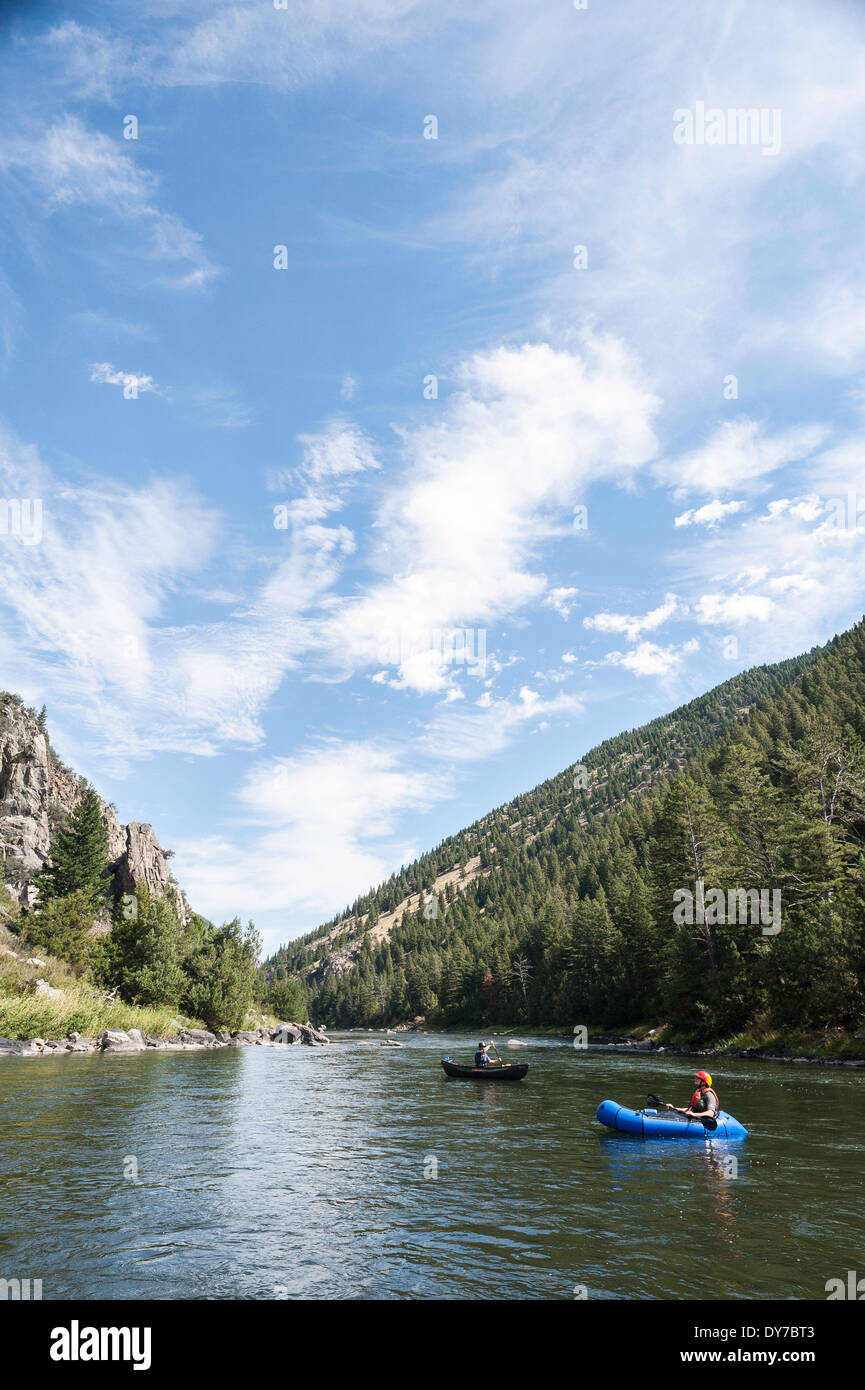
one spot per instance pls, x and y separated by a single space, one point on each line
704 1103
481 1058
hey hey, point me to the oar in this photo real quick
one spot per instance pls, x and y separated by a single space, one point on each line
709 1122
498 1054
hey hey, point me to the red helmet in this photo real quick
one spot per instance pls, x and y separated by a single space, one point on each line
703 1076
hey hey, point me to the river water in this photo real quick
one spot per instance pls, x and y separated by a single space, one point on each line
361 1172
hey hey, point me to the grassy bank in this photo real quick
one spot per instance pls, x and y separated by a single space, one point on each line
26 1014
30 1016
80 1007
831 1043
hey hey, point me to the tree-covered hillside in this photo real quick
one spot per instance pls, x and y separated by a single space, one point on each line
561 906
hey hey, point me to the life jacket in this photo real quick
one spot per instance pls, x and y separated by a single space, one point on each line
481 1059
696 1102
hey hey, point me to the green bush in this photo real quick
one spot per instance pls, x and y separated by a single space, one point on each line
221 974
60 926
144 955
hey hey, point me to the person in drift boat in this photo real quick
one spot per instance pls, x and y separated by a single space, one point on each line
481 1058
704 1103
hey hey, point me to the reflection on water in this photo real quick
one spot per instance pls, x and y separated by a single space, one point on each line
710 1172
295 1172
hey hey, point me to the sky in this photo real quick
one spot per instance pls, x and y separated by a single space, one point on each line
398 399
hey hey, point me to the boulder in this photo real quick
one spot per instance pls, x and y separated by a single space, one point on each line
116 1040
200 1036
287 1033
311 1036
46 991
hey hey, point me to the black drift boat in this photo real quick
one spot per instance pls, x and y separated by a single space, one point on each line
505 1071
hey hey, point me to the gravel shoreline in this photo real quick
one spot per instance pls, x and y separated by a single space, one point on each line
187 1039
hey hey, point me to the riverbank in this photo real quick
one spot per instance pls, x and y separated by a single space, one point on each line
802 1052
112 1040
829 1047
44 997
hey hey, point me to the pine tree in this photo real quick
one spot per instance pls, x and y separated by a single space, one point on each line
147 950
79 855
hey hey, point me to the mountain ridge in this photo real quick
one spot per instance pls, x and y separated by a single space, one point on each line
620 768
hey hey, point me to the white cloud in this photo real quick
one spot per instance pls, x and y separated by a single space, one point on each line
562 600
339 450
732 609
631 626
649 659
460 526
88 598
738 453
710 514
331 463
803 508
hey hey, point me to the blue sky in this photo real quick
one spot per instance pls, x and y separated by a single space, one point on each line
258 516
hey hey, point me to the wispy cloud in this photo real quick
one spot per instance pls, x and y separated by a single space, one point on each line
133 383
460 525
70 166
286 47
738 453
472 734
324 826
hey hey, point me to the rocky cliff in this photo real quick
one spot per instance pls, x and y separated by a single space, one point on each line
37 793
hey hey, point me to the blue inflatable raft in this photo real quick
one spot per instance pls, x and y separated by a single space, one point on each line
666 1124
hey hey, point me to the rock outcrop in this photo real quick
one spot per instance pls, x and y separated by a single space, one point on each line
142 860
37 793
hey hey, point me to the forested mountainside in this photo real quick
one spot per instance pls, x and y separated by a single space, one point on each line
558 908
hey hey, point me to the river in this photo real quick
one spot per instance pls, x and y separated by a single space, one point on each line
361 1172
